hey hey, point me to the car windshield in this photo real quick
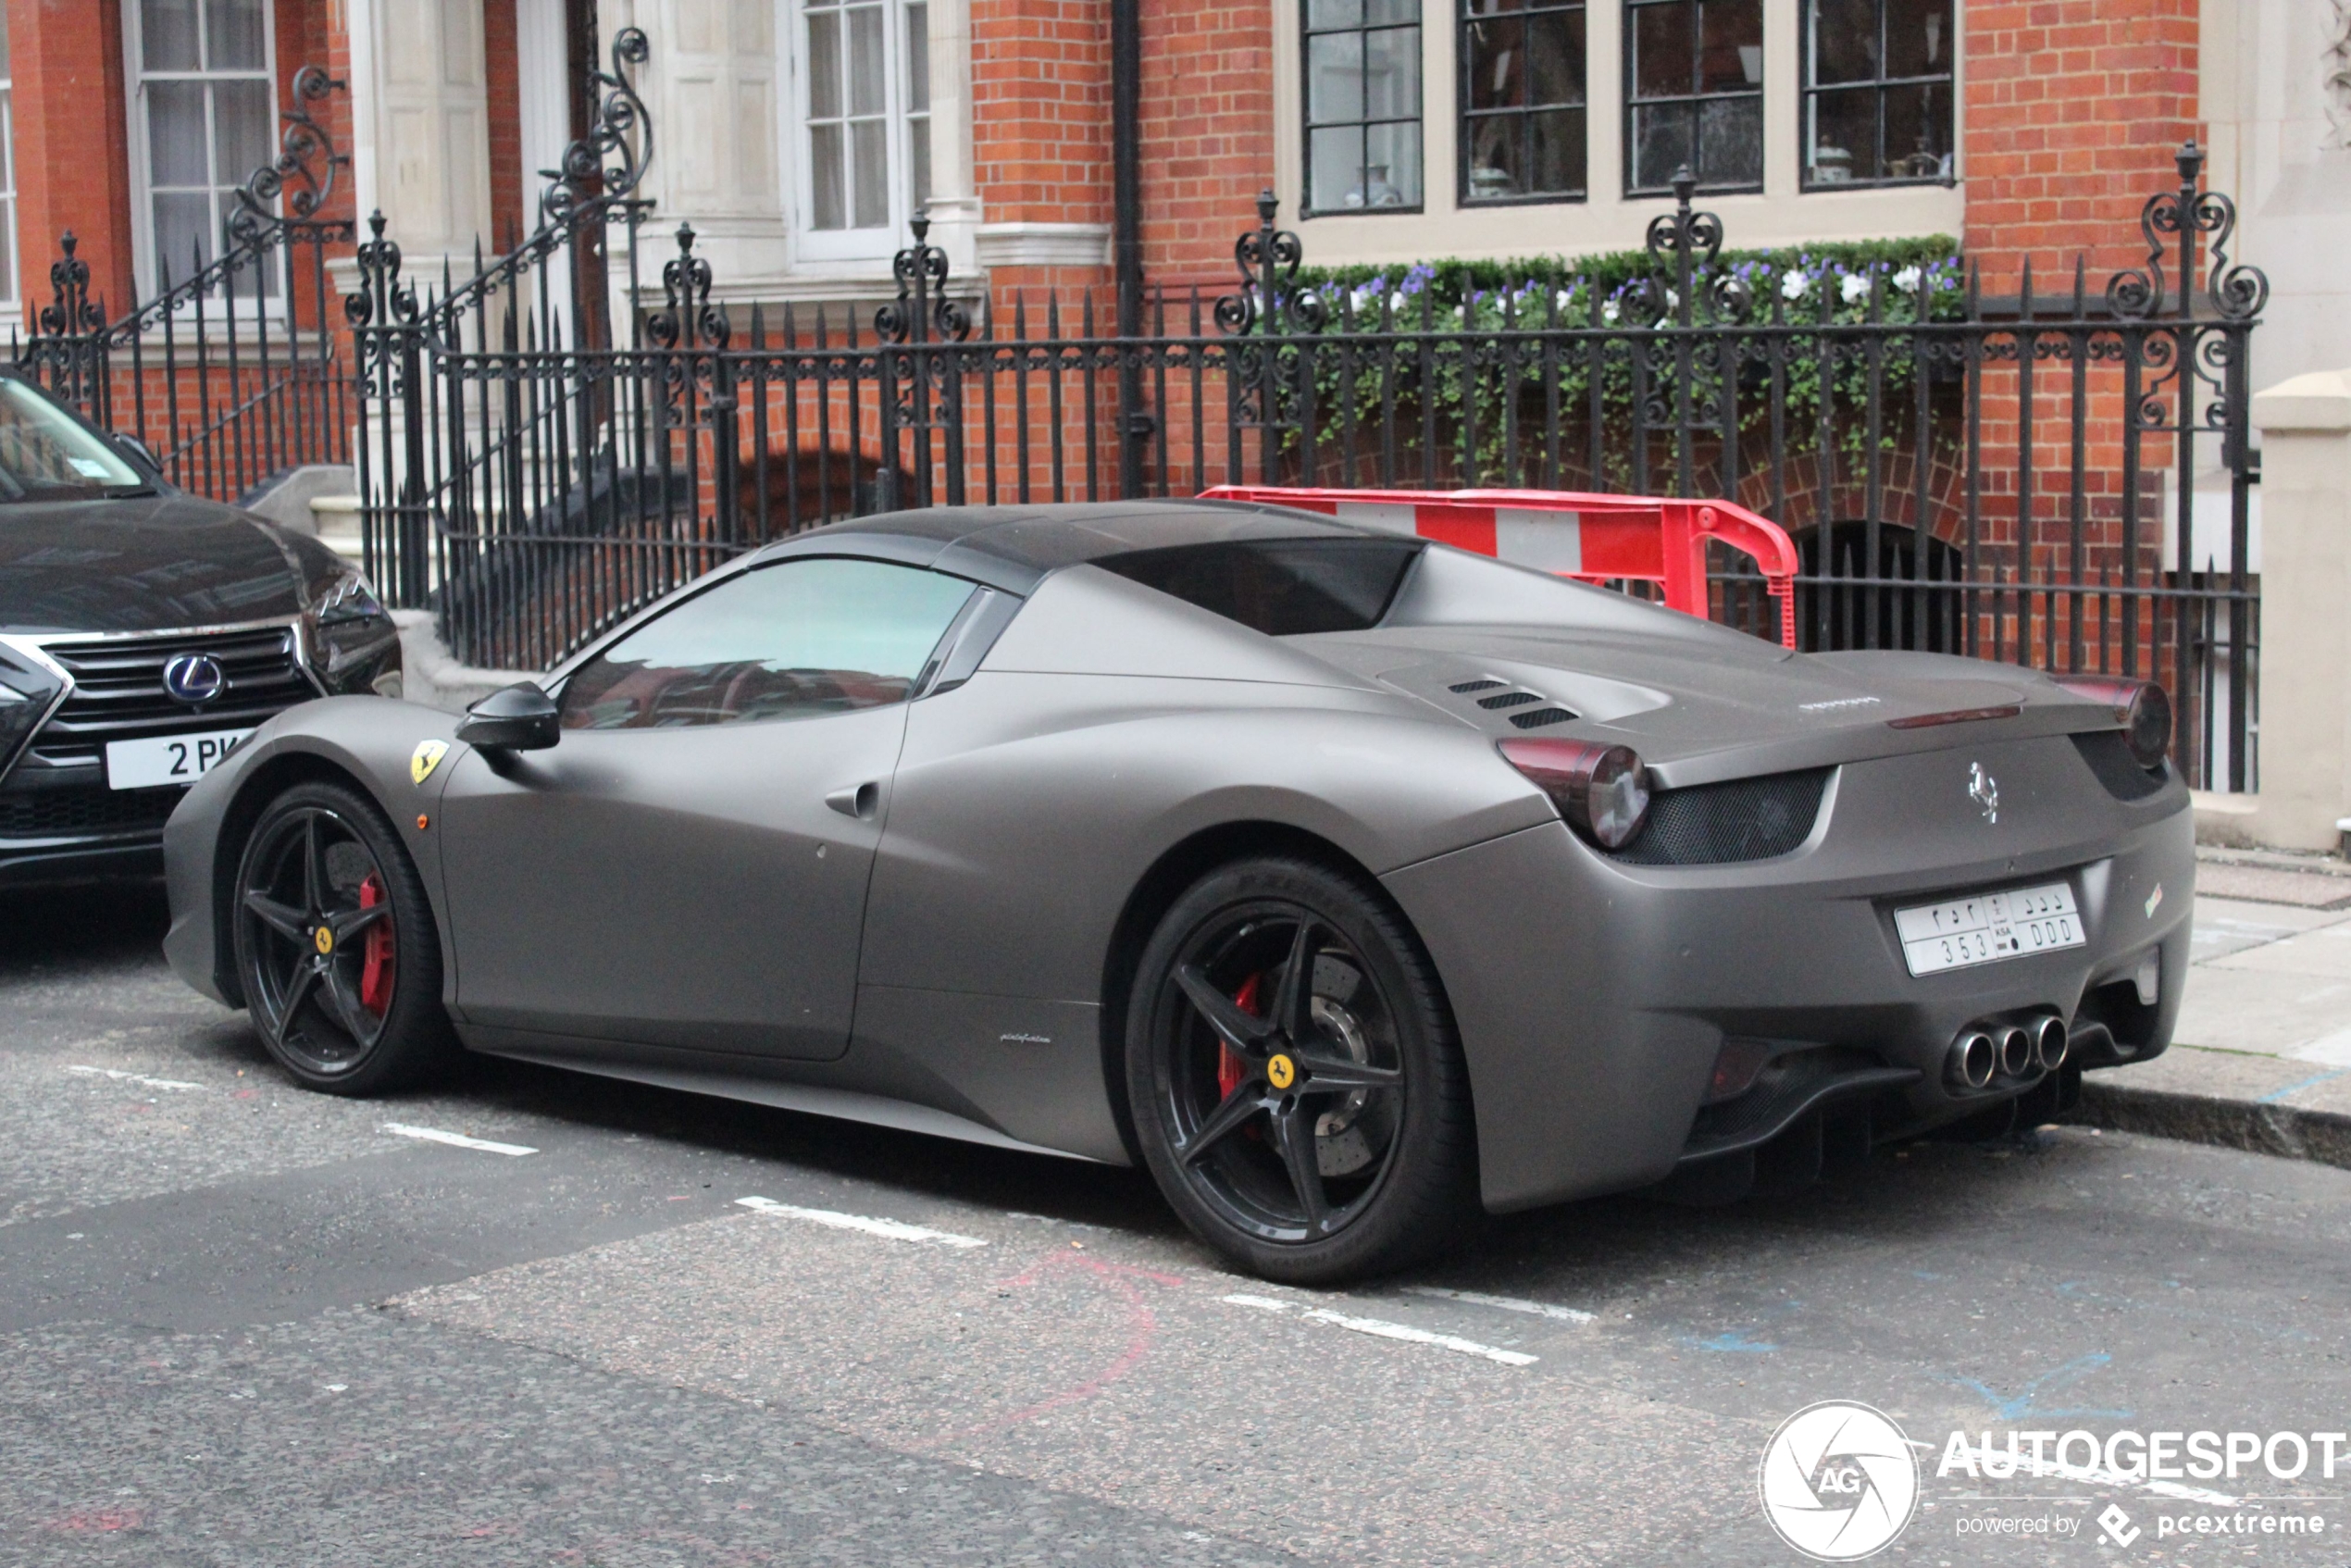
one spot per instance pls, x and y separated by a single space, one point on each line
47 455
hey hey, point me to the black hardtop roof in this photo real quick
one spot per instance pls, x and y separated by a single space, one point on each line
1015 547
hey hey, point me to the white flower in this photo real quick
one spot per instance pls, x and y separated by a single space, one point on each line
1907 280
1396 300
1609 311
1855 287
1794 285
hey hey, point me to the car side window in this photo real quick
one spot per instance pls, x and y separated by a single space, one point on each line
804 636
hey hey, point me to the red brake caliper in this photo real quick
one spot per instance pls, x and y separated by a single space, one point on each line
1231 1068
374 979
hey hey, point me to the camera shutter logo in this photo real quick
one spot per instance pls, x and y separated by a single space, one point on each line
1839 1481
194 677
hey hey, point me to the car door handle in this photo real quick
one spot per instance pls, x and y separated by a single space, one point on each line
856 800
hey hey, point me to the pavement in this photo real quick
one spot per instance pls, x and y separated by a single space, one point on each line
2261 1058
529 1316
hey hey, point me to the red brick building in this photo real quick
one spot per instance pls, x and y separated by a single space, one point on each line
800 136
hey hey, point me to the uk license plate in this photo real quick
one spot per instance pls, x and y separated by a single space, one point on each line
167 759
1988 928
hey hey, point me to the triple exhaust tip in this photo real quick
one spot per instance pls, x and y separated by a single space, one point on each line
2011 1050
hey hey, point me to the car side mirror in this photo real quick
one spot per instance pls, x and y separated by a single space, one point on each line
519 717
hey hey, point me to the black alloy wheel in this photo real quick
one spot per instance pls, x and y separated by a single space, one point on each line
336 947
1295 1082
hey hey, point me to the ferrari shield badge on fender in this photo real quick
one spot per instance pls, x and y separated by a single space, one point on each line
426 758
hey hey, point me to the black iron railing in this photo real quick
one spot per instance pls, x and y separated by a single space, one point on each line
230 373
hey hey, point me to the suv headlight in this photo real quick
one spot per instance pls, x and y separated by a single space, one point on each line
26 691
354 645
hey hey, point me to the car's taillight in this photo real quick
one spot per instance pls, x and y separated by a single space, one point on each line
1603 792
2141 707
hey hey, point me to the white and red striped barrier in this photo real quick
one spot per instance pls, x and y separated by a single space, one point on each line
1594 538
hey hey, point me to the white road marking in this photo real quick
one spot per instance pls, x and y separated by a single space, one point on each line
456 1139
1507 1303
1382 1330
896 1230
120 1076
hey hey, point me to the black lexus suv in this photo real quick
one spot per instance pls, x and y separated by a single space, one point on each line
144 633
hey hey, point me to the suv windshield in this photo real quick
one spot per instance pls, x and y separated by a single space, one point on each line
47 455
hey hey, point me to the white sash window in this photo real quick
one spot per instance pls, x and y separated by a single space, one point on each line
203 117
865 132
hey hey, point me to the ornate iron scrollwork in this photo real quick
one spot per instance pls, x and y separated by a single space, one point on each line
2237 292
922 310
585 178
687 319
1269 258
383 297
1688 243
70 310
304 172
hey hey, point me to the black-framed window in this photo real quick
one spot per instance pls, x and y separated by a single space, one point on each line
1363 62
1522 97
1693 94
1877 92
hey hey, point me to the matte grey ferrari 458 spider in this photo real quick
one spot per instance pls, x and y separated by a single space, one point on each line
1344 881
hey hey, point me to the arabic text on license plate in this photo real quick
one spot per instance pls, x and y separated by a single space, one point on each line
167 759
1988 928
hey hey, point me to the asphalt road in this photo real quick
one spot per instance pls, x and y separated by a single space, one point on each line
243 1325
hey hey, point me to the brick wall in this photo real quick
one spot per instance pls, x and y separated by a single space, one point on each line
504 90
72 151
1041 111
1207 132
2073 109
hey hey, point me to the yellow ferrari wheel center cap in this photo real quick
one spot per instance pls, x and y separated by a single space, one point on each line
1280 1070
324 940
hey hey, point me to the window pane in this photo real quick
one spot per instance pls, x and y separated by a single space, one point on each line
1843 40
234 35
4 42
1557 155
829 148
1731 52
1495 161
168 34
7 248
1843 137
1555 58
1917 133
1917 37
792 641
1334 159
1335 78
1497 64
175 135
1730 136
241 117
1376 12
1392 73
1333 13
183 233
1392 165
869 146
1662 41
824 66
866 69
918 144
917 60
1660 144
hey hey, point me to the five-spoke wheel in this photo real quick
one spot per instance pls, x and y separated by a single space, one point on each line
1293 1074
335 944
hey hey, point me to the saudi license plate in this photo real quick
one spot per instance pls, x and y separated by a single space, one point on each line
167 759
1988 928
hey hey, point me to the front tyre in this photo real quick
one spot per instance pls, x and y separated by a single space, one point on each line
336 947
1297 1087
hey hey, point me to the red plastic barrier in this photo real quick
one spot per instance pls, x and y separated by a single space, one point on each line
1593 539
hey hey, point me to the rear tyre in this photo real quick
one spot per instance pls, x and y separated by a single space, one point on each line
336 946
1297 1087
